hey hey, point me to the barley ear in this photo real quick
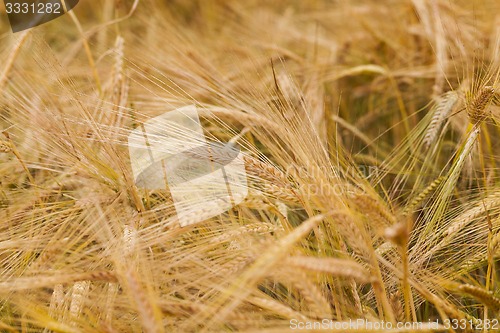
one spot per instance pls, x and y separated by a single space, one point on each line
477 107
482 295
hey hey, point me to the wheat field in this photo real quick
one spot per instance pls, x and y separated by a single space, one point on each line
370 140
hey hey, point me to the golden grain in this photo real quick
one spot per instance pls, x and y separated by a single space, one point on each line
370 193
477 107
5 147
483 296
337 267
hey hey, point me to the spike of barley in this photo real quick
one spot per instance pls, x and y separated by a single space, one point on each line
334 266
482 295
476 109
442 109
